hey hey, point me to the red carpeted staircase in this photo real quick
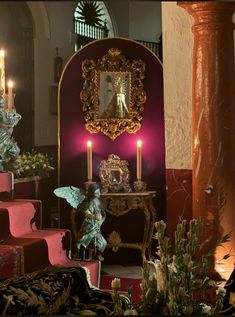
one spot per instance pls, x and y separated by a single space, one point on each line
36 248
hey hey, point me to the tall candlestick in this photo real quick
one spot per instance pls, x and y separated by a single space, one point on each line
2 71
10 103
139 161
89 161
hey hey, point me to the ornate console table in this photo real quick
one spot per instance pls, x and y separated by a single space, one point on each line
119 204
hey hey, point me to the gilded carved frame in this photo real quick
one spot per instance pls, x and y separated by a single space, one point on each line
114 174
113 94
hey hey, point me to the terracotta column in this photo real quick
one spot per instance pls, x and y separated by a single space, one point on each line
213 108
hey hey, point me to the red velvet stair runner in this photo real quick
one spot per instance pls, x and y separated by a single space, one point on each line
11 261
21 215
93 268
30 247
41 248
6 181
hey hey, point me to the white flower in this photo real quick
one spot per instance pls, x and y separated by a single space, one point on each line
172 267
153 277
160 277
147 293
116 283
232 299
130 312
221 291
186 259
205 309
87 312
188 310
153 269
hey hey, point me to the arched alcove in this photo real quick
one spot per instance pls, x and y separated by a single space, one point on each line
73 134
40 19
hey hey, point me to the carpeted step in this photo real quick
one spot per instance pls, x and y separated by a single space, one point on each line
12 228
11 263
58 243
21 217
29 247
34 253
92 267
38 248
6 182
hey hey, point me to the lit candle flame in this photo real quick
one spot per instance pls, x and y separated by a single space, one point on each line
139 143
10 84
2 53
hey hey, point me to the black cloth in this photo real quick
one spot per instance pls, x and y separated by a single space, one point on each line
53 291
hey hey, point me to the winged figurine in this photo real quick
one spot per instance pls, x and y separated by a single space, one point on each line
73 195
94 215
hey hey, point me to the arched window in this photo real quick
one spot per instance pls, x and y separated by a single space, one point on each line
91 21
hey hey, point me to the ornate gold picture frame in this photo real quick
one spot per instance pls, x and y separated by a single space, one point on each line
114 174
113 94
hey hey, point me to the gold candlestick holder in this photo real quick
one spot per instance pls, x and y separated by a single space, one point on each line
140 186
88 183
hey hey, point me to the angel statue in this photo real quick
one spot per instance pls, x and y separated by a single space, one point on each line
8 119
117 107
90 207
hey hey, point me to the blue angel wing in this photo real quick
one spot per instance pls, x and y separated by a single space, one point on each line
73 195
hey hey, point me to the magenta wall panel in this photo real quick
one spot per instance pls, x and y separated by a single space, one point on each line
73 135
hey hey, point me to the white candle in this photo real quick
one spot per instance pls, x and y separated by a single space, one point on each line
2 71
139 161
10 95
1 86
89 161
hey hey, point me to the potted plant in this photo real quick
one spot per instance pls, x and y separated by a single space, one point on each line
30 164
30 169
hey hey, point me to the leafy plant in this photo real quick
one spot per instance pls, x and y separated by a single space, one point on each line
30 164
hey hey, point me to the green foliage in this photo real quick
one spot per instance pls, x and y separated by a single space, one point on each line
178 283
182 279
30 164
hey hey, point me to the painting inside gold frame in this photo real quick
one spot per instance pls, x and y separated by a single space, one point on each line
113 94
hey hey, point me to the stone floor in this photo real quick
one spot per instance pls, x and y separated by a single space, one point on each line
122 271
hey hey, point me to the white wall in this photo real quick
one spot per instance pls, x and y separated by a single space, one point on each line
177 71
53 28
60 15
145 20
119 11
